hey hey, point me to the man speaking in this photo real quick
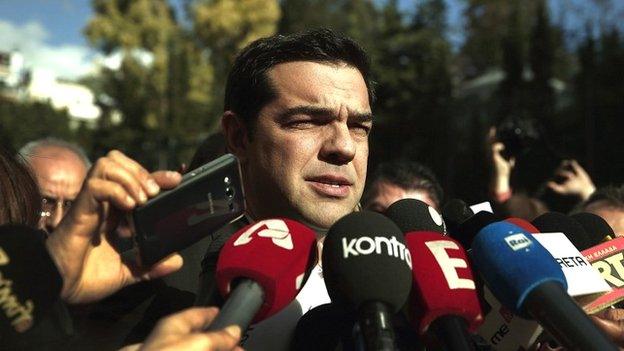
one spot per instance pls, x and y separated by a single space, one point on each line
298 116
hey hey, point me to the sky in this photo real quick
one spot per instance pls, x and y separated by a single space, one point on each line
49 32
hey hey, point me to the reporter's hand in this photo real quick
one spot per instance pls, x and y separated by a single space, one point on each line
501 167
184 331
611 321
81 246
576 181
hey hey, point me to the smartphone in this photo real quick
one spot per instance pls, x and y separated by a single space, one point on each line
206 199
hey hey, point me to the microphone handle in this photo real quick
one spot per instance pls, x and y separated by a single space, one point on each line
375 327
452 332
240 307
553 308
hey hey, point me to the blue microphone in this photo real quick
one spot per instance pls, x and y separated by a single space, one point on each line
525 277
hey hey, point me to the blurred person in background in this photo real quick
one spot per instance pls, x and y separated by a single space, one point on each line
608 203
83 265
569 181
60 168
401 179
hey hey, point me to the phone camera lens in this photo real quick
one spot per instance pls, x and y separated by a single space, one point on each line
227 180
229 192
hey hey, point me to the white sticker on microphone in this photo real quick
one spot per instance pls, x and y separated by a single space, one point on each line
582 278
518 241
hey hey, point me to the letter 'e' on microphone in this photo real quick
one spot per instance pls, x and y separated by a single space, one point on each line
367 268
444 298
261 268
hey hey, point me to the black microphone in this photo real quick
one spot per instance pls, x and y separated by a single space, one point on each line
367 269
30 283
555 222
325 327
454 212
597 229
413 215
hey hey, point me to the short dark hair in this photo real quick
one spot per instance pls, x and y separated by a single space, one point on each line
20 202
611 195
408 175
248 88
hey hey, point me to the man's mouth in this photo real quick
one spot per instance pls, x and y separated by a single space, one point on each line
330 185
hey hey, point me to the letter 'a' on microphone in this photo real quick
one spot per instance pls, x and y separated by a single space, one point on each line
597 229
367 269
525 277
261 268
414 215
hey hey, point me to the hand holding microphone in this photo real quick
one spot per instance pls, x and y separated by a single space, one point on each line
184 331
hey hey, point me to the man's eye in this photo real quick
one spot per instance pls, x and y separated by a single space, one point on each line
361 128
302 123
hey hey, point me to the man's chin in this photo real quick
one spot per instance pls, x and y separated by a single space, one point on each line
324 216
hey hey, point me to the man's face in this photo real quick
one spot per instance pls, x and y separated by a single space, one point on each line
59 173
387 193
307 156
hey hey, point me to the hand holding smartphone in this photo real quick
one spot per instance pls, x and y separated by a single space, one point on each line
206 199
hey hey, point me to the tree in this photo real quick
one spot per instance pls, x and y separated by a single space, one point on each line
162 87
21 122
224 27
354 18
541 95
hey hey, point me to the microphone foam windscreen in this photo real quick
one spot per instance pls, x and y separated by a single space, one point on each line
323 328
456 211
365 259
468 229
414 215
31 280
522 223
555 222
596 227
513 263
443 281
278 254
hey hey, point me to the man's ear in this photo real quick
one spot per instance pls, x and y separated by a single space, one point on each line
236 134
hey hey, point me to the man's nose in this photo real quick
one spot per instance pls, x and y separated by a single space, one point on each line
338 146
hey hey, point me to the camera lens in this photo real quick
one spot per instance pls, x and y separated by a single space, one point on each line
229 192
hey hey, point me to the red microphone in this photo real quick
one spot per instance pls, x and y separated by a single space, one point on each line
524 224
444 297
261 268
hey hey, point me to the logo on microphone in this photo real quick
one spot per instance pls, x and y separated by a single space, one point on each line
518 241
366 246
276 229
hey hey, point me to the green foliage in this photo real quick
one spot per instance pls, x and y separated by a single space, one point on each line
169 85
163 87
21 122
